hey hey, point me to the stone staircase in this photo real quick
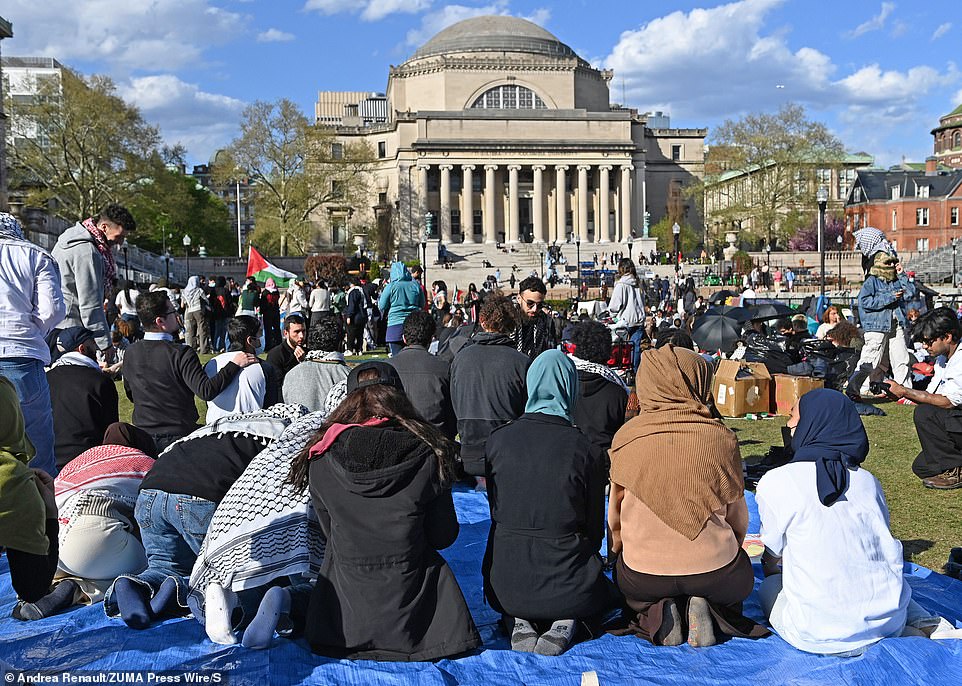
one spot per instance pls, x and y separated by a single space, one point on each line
935 266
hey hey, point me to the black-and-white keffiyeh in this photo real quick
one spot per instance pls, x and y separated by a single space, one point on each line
324 356
871 240
334 396
10 228
601 370
263 529
75 359
267 424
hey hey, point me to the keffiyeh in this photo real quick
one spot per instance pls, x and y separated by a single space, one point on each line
103 247
871 240
10 228
601 370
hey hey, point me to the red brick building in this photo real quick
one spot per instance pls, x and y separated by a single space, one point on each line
948 139
917 210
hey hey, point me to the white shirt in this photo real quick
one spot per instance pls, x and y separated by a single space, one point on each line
947 379
126 302
842 583
31 300
245 393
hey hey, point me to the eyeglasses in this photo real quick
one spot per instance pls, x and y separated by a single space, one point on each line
929 341
170 312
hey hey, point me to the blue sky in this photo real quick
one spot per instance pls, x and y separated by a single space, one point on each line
879 74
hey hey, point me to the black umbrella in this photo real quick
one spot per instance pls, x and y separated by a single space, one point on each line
772 310
739 314
722 296
716 333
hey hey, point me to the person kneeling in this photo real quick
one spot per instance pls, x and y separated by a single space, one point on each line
542 564
677 510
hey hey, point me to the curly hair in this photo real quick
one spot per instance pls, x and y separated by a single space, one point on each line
592 341
325 335
419 328
498 314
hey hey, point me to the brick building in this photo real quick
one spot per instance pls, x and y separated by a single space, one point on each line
948 139
917 210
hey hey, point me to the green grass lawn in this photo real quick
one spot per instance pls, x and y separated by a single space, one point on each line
927 521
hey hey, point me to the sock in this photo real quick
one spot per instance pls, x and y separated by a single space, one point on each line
557 639
260 632
133 603
219 604
523 636
165 600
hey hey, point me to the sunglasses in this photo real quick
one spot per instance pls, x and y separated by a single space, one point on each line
533 304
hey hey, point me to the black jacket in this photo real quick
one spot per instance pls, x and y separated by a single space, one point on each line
383 591
546 487
84 402
535 335
600 411
162 378
281 358
487 390
427 384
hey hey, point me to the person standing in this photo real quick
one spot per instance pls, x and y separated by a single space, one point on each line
31 305
355 317
270 304
627 306
320 302
87 267
196 306
400 297
221 311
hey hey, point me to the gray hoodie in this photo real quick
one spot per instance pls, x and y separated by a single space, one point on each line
82 275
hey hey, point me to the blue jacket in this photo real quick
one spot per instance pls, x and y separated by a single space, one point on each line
401 296
877 303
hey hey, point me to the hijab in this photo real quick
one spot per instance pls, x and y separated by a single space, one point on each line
829 433
553 386
675 457
193 284
22 511
270 284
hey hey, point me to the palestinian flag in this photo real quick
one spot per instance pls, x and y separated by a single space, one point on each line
262 270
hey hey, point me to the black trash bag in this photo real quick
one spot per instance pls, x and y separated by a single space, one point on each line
770 351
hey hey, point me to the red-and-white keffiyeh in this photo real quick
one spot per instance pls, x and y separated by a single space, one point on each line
103 247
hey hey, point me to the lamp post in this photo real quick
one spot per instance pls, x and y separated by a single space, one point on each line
167 267
424 247
768 264
126 263
541 256
955 252
187 253
822 199
631 240
838 240
578 260
676 235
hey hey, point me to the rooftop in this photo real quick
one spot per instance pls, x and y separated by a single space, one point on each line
494 33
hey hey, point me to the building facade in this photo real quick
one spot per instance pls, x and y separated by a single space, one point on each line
495 131
917 210
948 139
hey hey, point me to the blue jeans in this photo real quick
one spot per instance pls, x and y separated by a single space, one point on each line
27 376
220 334
636 338
172 528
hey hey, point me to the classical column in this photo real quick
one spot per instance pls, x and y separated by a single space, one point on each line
602 234
490 227
537 206
583 202
445 223
467 203
561 203
514 219
624 194
422 191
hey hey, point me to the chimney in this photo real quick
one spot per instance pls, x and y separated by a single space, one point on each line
931 166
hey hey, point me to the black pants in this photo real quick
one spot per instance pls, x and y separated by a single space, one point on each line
940 433
30 574
355 336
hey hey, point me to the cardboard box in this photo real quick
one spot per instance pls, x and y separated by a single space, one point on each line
742 388
788 389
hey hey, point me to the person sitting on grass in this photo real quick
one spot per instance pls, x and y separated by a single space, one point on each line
834 582
323 366
542 568
258 384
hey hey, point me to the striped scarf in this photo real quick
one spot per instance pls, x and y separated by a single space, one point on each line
103 247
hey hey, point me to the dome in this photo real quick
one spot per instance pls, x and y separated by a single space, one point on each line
495 33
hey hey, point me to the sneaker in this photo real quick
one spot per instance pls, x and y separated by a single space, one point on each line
701 630
671 632
947 480
905 401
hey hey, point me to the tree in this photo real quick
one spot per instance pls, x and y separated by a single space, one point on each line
761 171
79 144
688 238
296 168
806 238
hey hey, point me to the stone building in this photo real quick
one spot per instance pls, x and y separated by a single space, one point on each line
500 133
948 139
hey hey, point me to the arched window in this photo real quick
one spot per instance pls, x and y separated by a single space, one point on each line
957 140
509 98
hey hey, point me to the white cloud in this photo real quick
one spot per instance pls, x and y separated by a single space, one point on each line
370 10
941 30
126 36
434 22
876 23
274 36
872 85
202 121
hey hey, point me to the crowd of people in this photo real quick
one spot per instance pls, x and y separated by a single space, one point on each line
314 499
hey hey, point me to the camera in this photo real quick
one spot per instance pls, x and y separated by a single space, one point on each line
879 387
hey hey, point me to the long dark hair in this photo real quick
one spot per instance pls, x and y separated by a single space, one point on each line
378 400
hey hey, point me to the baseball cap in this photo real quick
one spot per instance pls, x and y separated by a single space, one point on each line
72 337
386 374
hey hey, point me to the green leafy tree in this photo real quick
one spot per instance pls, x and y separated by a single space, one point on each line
760 173
297 168
77 143
689 238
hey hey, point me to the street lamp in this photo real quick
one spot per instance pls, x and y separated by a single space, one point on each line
822 199
578 260
424 247
630 241
768 264
126 263
187 253
166 266
676 234
838 240
955 252
541 256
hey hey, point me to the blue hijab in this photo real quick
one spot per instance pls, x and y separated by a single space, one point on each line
829 433
553 386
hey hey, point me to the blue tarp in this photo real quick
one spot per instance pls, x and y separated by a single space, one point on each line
84 639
